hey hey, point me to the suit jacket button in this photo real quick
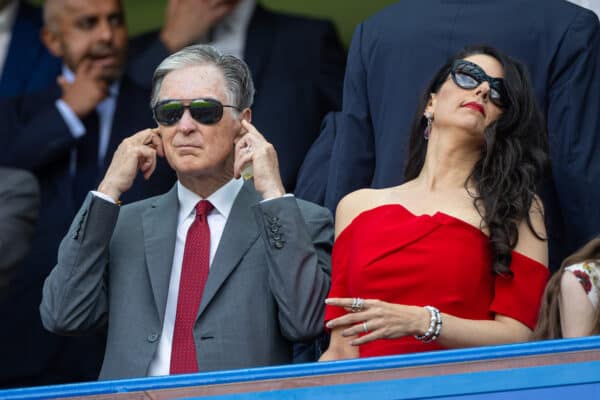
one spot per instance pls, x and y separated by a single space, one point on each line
278 244
153 337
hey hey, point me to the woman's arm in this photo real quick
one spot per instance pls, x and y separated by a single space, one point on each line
576 309
390 321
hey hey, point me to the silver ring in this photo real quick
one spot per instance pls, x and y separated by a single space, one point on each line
357 304
248 149
365 327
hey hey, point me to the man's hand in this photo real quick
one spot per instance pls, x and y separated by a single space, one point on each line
137 152
186 21
87 90
252 148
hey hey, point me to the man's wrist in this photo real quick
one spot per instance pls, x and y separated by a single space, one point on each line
109 190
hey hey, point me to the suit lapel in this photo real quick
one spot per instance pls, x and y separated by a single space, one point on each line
238 236
159 223
258 42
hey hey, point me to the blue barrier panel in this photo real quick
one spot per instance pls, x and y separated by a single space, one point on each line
557 382
479 356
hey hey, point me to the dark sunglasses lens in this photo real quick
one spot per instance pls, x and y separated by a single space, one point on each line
496 97
168 113
206 112
465 80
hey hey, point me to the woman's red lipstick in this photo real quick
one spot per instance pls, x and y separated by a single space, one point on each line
475 106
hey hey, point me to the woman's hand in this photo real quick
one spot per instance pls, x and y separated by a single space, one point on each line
378 320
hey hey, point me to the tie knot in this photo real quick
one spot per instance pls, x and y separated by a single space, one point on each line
203 208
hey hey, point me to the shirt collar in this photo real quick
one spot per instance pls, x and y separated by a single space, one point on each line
222 200
8 15
113 89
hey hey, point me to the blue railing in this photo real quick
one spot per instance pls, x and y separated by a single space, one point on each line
572 378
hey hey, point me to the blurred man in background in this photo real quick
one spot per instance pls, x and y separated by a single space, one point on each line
66 136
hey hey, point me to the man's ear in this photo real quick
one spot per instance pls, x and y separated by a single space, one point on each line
51 40
247 115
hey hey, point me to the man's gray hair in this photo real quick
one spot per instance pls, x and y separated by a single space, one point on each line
238 80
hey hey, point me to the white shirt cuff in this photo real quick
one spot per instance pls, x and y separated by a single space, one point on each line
103 196
274 198
71 119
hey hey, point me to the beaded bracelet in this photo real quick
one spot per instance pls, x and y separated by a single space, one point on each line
435 326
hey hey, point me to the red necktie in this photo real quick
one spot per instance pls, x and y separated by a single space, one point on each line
194 271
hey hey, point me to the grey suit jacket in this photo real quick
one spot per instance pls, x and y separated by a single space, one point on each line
265 290
19 203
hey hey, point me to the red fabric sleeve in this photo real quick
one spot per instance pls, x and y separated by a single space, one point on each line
340 257
519 297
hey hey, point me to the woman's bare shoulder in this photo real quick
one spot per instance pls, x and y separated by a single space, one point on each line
357 202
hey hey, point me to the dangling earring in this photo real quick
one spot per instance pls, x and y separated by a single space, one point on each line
427 131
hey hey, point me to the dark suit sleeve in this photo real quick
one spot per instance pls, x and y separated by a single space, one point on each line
146 52
74 299
352 143
331 64
312 177
19 202
298 238
35 133
574 129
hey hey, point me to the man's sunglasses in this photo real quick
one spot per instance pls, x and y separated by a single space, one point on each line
206 111
468 75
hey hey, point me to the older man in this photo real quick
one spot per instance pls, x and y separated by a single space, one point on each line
66 135
215 274
297 65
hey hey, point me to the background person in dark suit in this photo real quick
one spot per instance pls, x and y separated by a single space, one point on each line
27 65
390 60
66 136
264 257
297 64
19 202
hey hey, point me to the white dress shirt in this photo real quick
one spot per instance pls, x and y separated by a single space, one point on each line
7 19
222 201
106 112
229 35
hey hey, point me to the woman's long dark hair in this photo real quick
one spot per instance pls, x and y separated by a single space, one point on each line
513 157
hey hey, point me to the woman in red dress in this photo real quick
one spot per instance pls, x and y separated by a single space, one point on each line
456 256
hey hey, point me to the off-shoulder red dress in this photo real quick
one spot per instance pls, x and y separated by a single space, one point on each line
390 254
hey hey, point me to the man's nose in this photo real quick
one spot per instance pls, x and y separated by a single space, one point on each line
186 123
105 30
